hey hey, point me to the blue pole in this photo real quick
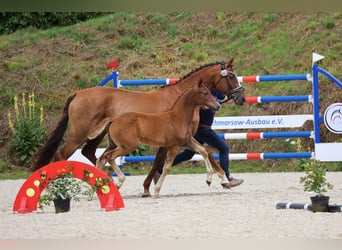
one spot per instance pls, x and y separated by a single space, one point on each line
115 79
330 76
299 98
289 155
287 134
113 76
143 82
293 77
315 94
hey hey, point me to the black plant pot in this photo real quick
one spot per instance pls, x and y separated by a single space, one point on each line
62 206
320 203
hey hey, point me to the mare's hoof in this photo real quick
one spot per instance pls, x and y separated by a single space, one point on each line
145 195
208 183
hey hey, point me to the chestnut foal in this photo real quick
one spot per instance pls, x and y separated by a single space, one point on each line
171 129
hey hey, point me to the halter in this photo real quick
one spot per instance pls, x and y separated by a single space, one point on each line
233 92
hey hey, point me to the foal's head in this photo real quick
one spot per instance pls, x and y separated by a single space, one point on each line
205 98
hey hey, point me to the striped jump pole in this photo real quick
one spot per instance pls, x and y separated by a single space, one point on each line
165 81
265 78
235 156
275 78
291 205
267 135
306 206
263 99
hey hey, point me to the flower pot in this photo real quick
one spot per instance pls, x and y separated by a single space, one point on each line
320 203
62 206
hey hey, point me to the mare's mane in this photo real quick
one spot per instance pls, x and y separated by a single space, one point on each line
192 72
179 97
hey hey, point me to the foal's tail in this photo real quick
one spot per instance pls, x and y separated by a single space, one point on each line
100 127
45 154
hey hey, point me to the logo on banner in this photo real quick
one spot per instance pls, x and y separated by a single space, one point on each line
333 118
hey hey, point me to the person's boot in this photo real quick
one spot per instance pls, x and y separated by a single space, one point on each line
235 182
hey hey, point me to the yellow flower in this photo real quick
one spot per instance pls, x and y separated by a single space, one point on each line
16 107
10 123
41 116
23 101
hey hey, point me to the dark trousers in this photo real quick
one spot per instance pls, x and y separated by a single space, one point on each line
207 135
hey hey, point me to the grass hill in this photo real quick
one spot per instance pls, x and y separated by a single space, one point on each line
55 62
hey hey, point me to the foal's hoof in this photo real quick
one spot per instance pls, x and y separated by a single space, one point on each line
145 195
208 183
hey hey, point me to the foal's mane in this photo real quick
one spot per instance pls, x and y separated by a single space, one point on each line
192 72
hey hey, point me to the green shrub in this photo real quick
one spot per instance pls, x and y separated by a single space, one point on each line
328 23
12 21
26 127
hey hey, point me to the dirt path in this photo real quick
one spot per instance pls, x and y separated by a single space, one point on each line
187 209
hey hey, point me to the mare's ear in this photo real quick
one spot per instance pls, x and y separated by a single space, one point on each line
231 61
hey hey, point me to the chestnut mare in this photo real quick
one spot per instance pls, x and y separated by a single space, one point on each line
86 108
171 129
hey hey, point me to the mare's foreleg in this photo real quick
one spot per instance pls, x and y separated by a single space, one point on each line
160 157
170 157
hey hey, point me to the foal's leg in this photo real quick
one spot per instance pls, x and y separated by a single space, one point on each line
171 155
197 147
101 162
221 174
110 156
160 157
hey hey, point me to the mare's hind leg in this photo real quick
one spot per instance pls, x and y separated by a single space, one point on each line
68 149
90 147
171 155
160 157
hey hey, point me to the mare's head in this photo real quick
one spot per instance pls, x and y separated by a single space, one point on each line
203 97
229 84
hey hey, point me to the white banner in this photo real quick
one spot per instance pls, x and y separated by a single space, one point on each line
257 122
328 151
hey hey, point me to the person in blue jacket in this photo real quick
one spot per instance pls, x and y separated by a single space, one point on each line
205 134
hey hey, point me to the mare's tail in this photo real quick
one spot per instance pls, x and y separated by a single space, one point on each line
99 128
45 154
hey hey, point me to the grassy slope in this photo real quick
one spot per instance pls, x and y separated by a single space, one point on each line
53 63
